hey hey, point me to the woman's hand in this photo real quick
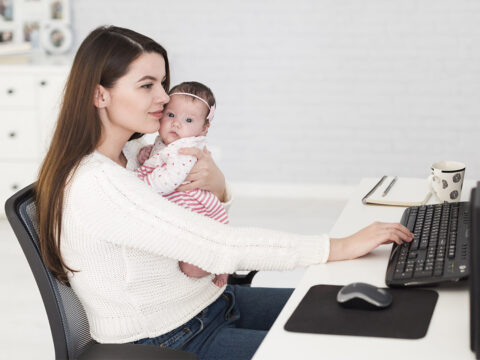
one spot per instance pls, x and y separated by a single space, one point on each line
205 174
367 239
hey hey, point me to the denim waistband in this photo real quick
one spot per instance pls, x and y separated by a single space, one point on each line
184 334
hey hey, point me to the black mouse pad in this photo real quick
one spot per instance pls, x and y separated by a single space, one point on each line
407 318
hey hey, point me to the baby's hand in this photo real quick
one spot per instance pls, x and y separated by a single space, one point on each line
220 280
192 270
144 154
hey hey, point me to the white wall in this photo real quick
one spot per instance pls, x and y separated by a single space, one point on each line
316 91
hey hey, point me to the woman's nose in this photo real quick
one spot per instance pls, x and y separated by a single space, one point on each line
162 96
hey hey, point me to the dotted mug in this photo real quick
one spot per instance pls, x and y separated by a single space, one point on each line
446 180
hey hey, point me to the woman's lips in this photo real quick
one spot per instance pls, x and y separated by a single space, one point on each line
157 114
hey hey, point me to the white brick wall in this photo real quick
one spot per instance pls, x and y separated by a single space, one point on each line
314 91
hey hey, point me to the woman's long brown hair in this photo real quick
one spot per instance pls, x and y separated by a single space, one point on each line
102 58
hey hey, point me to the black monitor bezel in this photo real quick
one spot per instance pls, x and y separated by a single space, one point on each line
475 270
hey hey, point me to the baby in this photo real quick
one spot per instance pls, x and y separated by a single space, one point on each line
185 122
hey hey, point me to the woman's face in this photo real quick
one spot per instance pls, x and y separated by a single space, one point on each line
137 99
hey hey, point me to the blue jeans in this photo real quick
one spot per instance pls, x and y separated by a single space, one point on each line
231 328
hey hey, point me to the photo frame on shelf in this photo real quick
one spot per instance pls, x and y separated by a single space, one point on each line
31 33
8 31
58 10
6 36
56 38
35 25
6 10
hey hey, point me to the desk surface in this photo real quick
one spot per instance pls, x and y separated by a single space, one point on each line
448 336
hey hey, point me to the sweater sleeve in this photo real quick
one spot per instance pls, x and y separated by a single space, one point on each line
113 205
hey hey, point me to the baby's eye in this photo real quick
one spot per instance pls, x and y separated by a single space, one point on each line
147 86
188 120
170 115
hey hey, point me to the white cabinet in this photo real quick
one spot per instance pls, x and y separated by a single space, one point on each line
30 96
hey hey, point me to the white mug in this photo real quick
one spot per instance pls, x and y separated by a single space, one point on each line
446 180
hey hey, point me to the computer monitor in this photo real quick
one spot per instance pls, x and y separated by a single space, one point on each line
475 271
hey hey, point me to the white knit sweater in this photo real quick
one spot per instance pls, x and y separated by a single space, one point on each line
126 242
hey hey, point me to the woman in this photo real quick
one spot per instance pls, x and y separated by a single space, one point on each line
118 244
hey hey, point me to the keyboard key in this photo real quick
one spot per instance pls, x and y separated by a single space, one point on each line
422 274
411 222
415 243
423 243
419 265
438 270
409 269
397 273
403 275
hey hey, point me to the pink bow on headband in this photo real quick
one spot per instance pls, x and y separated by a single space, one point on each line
211 113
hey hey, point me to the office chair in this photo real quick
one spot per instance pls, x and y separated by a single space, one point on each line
67 318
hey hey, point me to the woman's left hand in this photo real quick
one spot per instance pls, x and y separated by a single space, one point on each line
205 174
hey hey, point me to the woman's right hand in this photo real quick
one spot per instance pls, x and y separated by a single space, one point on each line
205 174
367 239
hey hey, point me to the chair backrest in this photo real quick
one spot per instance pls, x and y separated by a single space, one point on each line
67 318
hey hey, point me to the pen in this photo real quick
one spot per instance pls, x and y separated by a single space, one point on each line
390 186
364 200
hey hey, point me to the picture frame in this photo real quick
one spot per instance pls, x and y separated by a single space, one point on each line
31 31
56 38
8 28
6 10
6 36
40 25
59 10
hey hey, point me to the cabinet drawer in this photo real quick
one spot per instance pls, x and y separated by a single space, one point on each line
17 91
13 177
19 138
50 97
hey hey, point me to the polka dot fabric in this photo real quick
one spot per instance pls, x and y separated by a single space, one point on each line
166 169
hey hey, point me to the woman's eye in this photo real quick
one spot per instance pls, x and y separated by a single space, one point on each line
188 120
147 86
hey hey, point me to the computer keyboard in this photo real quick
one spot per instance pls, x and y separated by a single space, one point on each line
440 249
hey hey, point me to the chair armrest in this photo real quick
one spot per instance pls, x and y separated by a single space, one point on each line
132 351
241 279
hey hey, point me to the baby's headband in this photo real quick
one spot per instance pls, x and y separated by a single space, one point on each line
211 108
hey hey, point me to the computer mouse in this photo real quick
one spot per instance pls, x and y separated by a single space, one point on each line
364 297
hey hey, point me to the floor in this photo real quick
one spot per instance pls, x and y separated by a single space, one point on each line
25 333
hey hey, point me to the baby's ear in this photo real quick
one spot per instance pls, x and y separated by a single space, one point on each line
205 128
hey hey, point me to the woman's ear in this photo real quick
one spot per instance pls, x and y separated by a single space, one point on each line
101 97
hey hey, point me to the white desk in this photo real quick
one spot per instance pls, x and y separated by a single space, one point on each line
448 336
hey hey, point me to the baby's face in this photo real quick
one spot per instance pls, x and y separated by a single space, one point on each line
183 116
